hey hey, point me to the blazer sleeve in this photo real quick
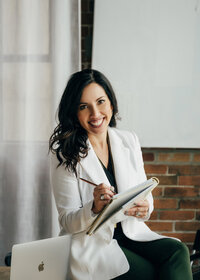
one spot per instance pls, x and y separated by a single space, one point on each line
73 216
141 172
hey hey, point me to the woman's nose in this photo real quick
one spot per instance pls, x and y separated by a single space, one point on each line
94 111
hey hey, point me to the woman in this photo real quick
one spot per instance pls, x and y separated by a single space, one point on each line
87 145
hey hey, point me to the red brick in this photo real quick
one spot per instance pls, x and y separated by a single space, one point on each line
154 215
181 157
198 215
148 156
160 226
197 157
83 44
184 237
84 6
181 191
84 57
155 169
86 65
177 215
187 226
189 180
184 169
157 191
84 31
167 180
165 203
87 18
174 157
190 204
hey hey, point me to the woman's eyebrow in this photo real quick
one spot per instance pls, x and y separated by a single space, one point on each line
96 100
100 97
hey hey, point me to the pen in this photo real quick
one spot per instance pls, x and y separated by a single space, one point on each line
91 183
88 182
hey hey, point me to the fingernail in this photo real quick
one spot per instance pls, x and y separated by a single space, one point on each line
112 189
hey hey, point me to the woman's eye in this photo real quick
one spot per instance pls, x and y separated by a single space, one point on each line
101 101
82 107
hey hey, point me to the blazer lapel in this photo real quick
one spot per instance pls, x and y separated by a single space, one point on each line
123 168
92 167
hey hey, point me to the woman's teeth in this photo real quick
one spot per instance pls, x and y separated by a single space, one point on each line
96 123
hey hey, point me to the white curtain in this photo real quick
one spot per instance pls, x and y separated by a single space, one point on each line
39 49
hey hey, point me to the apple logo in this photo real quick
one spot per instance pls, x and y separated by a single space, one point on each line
41 267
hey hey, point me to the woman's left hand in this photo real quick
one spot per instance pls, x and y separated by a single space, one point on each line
140 210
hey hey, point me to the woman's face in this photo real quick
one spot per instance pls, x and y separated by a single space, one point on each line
95 110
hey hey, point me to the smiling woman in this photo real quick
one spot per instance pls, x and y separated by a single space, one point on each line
88 106
89 147
95 110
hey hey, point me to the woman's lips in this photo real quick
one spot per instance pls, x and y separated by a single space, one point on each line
96 123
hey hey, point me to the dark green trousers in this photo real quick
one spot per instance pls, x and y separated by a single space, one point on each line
163 259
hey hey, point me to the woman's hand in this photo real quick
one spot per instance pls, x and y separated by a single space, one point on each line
102 196
140 210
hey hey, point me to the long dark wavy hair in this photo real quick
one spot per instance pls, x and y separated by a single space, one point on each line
68 140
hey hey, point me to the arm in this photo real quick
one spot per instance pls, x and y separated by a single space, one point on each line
73 216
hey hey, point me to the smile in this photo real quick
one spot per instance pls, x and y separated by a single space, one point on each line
96 123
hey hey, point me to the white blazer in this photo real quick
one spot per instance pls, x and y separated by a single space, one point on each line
99 256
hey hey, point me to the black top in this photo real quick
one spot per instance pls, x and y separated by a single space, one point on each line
109 171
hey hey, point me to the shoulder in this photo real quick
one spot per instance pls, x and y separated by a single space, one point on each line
58 170
129 137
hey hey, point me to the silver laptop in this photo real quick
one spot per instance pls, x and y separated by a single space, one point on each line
45 259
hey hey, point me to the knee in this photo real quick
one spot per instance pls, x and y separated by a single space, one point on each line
182 250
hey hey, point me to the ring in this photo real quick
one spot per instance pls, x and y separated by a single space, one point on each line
137 214
102 197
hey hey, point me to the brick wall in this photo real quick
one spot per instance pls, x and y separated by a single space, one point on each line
87 8
177 198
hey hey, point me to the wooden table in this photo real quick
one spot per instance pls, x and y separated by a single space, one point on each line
4 273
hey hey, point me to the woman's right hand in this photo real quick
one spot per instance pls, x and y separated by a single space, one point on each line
102 196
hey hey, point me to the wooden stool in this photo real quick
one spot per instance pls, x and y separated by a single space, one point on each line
4 273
